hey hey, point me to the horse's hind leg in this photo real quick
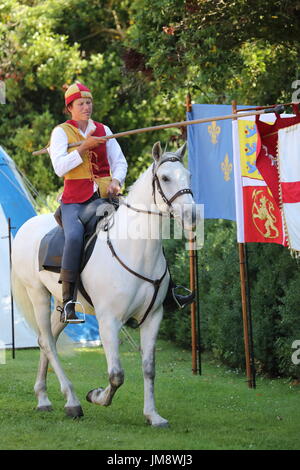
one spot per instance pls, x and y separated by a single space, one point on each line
149 331
40 299
109 329
40 386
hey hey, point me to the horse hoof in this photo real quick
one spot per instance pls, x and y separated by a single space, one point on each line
89 395
44 408
74 411
163 424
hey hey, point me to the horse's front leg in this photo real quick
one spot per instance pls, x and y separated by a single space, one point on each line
109 330
40 386
149 331
39 297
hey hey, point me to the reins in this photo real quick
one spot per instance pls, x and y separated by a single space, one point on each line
155 282
155 180
160 214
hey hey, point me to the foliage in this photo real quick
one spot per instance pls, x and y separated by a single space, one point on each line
219 50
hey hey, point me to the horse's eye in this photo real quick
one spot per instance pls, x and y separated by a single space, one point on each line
165 178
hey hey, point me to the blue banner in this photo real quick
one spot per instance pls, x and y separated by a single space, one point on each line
210 157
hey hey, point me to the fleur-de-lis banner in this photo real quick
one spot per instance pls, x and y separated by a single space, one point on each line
210 157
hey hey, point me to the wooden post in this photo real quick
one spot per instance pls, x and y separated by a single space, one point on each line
193 310
11 295
251 343
241 247
245 316
193 286
198 314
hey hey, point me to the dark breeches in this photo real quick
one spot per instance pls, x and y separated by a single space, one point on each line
74 231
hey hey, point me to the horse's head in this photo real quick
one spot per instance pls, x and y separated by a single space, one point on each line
171 186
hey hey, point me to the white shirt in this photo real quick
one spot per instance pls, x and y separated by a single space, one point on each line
63 161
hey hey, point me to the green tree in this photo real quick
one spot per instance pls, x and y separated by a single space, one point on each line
220 50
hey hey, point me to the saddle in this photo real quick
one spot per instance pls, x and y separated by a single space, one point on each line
52 244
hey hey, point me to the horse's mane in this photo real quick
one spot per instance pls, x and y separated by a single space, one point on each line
145 174
140 180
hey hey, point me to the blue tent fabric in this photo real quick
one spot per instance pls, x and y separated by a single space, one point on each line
82 332
15 203
14 199
210 157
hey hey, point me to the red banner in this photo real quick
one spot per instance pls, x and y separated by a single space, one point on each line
258 214
262 217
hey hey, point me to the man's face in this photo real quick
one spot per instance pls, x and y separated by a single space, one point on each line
81 109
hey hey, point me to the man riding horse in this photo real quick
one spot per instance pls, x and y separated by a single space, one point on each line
96 168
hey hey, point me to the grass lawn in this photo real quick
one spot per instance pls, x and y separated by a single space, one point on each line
214 411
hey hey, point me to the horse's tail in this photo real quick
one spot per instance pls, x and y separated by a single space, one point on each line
22 300
24 304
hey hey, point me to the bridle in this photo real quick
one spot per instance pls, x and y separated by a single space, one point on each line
157 186
155 181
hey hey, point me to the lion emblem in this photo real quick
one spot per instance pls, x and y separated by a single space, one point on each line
263 215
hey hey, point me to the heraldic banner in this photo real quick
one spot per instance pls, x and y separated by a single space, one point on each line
210 159
289 173
258 215
280 142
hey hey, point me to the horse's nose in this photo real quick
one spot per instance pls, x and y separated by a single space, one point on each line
194 215
190 216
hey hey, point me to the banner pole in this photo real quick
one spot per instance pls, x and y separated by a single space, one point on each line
11 294
198 315
251 342
241 248
193 311
192 282
243 277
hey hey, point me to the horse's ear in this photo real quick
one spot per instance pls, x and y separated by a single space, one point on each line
156 151
180 152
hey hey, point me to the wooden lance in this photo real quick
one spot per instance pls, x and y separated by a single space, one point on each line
278 109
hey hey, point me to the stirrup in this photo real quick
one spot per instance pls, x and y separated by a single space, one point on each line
64 316
190 293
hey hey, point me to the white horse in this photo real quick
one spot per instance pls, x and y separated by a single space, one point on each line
117 293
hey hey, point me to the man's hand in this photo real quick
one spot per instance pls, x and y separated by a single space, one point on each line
114 188
89 143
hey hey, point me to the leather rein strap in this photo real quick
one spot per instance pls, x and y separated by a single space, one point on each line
155 282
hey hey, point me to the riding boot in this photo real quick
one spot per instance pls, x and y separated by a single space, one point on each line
68 314
175 300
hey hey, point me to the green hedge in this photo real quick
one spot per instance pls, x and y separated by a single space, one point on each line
275 300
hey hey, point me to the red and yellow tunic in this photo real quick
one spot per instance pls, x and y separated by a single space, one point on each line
79 182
